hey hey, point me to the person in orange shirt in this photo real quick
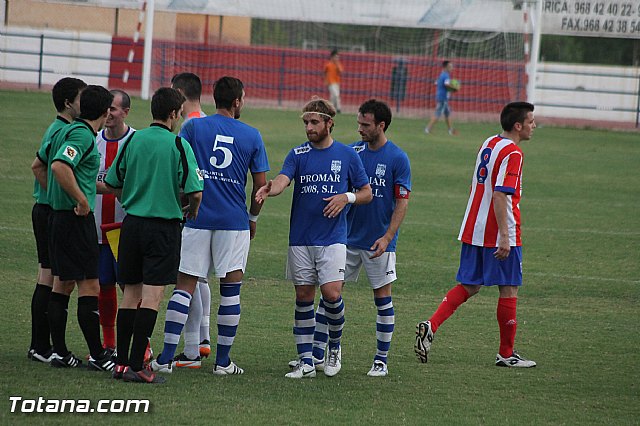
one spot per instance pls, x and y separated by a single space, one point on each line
332 72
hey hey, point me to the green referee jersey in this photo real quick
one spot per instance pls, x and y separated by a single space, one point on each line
151 167
40 193
75 145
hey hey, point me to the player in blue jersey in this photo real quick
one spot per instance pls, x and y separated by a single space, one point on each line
218 240
444 88
324 170
373 228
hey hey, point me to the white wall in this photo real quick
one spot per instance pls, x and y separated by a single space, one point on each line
587 92
82 55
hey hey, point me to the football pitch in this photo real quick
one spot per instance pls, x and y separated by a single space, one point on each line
578 310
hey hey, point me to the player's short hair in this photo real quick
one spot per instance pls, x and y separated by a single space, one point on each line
333 53
445 63
514 112
66 89
126 100
379 110
94 102
226 90
189 83
164 101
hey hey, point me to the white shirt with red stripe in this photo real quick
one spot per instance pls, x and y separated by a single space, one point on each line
108 208
498 168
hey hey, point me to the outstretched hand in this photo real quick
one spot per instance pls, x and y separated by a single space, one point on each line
264 192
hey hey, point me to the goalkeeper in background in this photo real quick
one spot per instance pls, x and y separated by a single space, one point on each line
444 87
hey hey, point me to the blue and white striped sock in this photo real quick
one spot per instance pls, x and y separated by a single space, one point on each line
303 328
385 322
321 333
177 311
228 320
335 318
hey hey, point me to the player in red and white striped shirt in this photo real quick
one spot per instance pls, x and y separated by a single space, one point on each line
490 233
109 210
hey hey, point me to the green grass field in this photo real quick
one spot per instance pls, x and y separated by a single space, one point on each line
578 310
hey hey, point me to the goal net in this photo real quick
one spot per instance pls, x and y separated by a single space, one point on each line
283 65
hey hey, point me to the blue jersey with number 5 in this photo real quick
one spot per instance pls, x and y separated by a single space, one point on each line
226 149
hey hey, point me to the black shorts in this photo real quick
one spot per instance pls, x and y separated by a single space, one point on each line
73 246
40 220
149 251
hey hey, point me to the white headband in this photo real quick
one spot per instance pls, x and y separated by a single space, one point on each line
314 112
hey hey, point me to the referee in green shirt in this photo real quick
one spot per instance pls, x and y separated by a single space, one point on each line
73 164
66 98
151 169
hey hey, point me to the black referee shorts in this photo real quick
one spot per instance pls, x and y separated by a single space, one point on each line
40 220
73 246
149 251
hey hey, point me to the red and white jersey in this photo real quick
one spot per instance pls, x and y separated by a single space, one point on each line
108 208
498 168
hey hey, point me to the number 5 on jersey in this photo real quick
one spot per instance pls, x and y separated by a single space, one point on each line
226 152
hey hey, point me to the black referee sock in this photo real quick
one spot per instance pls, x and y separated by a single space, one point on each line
57 313
142 331
124 330
39 321
89 321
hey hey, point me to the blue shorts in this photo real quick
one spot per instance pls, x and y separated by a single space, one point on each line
442 107
479 267
108 267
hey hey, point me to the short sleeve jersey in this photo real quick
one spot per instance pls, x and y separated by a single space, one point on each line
318 174
498 168
387 168
40 193
76 147
108 208
442 94
151 168
225 149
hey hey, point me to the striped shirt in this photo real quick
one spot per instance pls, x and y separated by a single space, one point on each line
108 209
498 168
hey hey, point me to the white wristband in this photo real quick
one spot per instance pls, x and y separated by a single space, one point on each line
253 218
351 197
